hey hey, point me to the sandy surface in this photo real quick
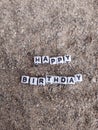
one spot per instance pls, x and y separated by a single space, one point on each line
48 27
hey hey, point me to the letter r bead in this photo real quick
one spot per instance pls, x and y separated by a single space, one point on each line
41 81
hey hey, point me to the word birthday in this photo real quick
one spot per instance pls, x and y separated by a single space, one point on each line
42 81
52 60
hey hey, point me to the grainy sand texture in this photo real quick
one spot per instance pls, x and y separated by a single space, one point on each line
54 28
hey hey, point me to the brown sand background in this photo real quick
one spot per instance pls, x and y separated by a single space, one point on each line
48 27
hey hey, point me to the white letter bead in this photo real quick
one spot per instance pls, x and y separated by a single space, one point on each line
25 79
49 79
41 81
37 59
63 80
56 80
60 60
53 60
78 78
33 81
71 80
67 58
45 59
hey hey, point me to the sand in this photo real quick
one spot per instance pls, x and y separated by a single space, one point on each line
52 28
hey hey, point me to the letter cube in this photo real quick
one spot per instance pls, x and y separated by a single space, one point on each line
49 79
53 60
41 81
70 80
67 58
60 60
56 80
25 79
33 81
78 78
63 80
37 59
45 59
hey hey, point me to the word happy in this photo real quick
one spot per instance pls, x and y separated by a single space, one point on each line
42 81
52 60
